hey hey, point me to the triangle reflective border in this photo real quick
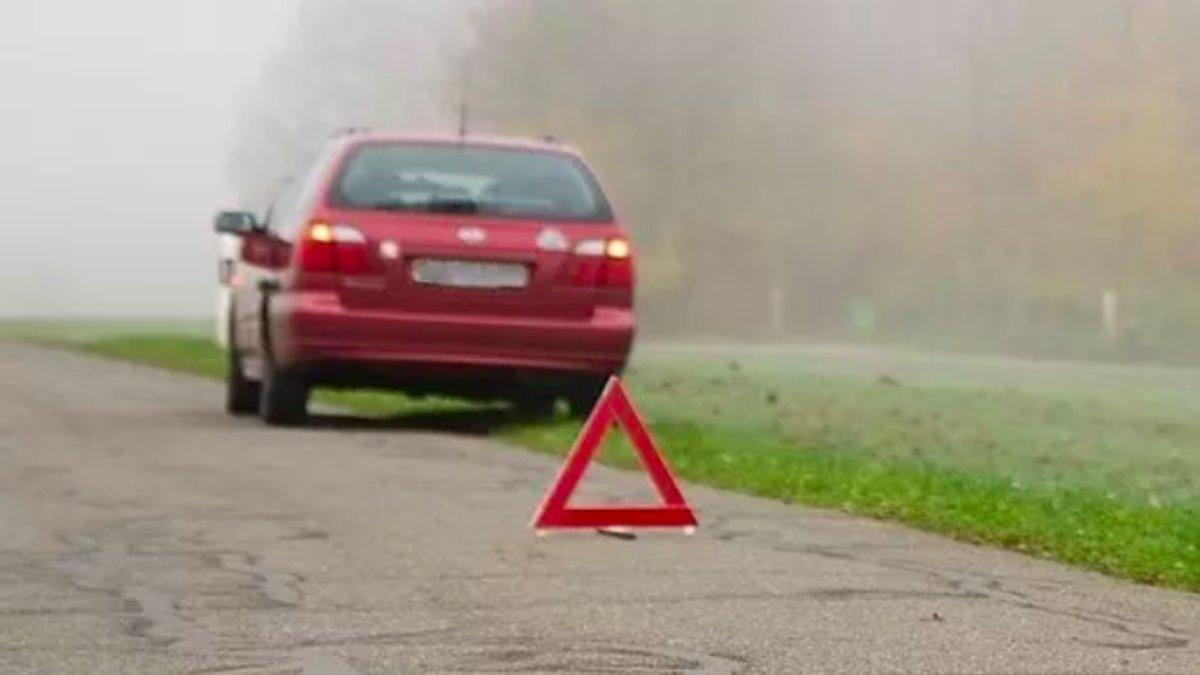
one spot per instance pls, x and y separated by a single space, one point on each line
614 405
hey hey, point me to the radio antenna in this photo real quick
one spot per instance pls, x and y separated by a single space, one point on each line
463 112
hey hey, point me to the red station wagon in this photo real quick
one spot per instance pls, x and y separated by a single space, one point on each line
488 268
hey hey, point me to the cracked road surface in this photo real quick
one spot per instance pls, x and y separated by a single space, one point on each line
142 530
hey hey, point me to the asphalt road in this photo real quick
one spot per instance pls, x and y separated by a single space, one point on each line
142 530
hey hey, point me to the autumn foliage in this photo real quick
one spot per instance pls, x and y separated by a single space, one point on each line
962 173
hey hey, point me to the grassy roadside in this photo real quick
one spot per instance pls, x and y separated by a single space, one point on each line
1102 484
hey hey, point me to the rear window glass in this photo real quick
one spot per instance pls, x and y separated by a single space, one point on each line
469 179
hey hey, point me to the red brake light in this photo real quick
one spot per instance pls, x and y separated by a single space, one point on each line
616 273
339 249
604 263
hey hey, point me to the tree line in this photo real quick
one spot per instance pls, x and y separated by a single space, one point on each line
1002 175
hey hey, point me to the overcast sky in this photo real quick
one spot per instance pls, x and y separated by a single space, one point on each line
115 123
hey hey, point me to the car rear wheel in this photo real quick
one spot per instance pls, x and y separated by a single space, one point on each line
283 399
534 403
583 394
241 394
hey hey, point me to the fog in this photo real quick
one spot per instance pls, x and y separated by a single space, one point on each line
1014 176
116 122
388 64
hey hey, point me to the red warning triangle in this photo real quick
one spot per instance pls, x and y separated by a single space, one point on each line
614 405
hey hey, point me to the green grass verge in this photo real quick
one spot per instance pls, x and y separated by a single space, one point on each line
1081 479
1159 545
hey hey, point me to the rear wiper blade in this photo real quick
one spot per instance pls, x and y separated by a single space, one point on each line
451 206
432 206
394 205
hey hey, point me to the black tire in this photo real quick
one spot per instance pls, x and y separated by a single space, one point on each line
241 394
535 404
583 394
283 396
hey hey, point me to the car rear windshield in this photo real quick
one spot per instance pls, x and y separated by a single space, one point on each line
443 178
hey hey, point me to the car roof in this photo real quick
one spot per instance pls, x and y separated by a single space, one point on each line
548 144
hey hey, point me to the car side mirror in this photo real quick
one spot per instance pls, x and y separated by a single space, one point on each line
236 222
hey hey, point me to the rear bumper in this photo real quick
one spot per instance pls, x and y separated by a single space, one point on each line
315 328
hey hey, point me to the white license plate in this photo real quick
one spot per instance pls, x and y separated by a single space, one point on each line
469 274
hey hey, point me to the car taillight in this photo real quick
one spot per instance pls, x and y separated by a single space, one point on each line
602 262
339 249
